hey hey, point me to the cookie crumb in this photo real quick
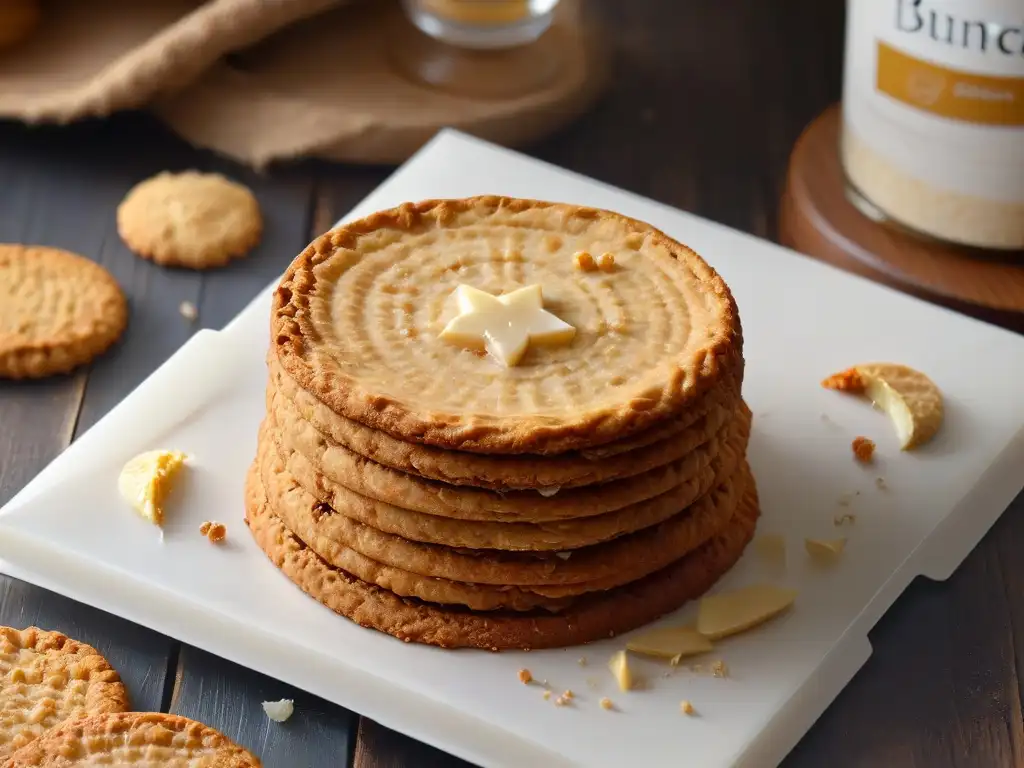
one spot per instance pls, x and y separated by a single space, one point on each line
719 669
863 449
188 310
686 707
606 262
279 711
582 661
568 695
204 529
525 677
844 519
561 701
845 381
606 703
584 261
546 695
880 484
216 532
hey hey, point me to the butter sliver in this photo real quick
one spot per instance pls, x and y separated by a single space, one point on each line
670 643
729 613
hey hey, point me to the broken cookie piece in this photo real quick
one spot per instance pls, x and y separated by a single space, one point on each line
911 400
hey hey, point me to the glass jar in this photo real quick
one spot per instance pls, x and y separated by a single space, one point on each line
933 117
482 24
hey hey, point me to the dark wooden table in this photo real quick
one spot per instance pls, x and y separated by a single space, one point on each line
707 100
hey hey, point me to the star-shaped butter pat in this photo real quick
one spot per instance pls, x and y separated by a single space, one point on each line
505 325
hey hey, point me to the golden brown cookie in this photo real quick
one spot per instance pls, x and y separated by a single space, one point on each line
133 740
358 318
297 411
600 566
592 618
190 219
47 679
370 479
556 535
58 310
18 19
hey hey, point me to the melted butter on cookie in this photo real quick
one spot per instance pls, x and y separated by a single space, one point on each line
505 325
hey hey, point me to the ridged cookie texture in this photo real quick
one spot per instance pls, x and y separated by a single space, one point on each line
357 316
449 493
132 740
47 679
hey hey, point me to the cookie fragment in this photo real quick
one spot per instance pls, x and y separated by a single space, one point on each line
190 219
47 678
58 310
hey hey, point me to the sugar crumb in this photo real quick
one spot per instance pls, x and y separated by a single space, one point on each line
719 669
547 695
582 661
844 519
188 310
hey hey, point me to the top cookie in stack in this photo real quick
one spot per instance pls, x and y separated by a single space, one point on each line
502 423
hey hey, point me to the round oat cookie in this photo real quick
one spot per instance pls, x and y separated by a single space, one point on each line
552 536
133 740
58 310
48 678
190 219
595 617
375 481
295 409
601 566
357 318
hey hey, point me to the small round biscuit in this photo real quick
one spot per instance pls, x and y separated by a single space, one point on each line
189 219
133 740
46 679
58 310
18 19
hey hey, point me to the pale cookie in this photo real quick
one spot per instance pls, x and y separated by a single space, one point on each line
58 310
358 317
18 19
601 566
133 740
48 678
911 400
370 479
190 219
552 536
301 411
595 617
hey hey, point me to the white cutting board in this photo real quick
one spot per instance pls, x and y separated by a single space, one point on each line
69 531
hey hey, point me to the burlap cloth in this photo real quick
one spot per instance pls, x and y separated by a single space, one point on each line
261 80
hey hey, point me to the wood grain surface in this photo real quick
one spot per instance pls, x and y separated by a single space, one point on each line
706 102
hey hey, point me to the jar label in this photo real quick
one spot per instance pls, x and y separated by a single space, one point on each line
949 92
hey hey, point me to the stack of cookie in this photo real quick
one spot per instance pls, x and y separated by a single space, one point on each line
502 423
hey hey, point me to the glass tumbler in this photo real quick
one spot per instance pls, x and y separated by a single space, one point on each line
482 24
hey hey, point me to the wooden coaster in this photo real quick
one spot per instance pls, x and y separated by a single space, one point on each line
818 219
361 84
